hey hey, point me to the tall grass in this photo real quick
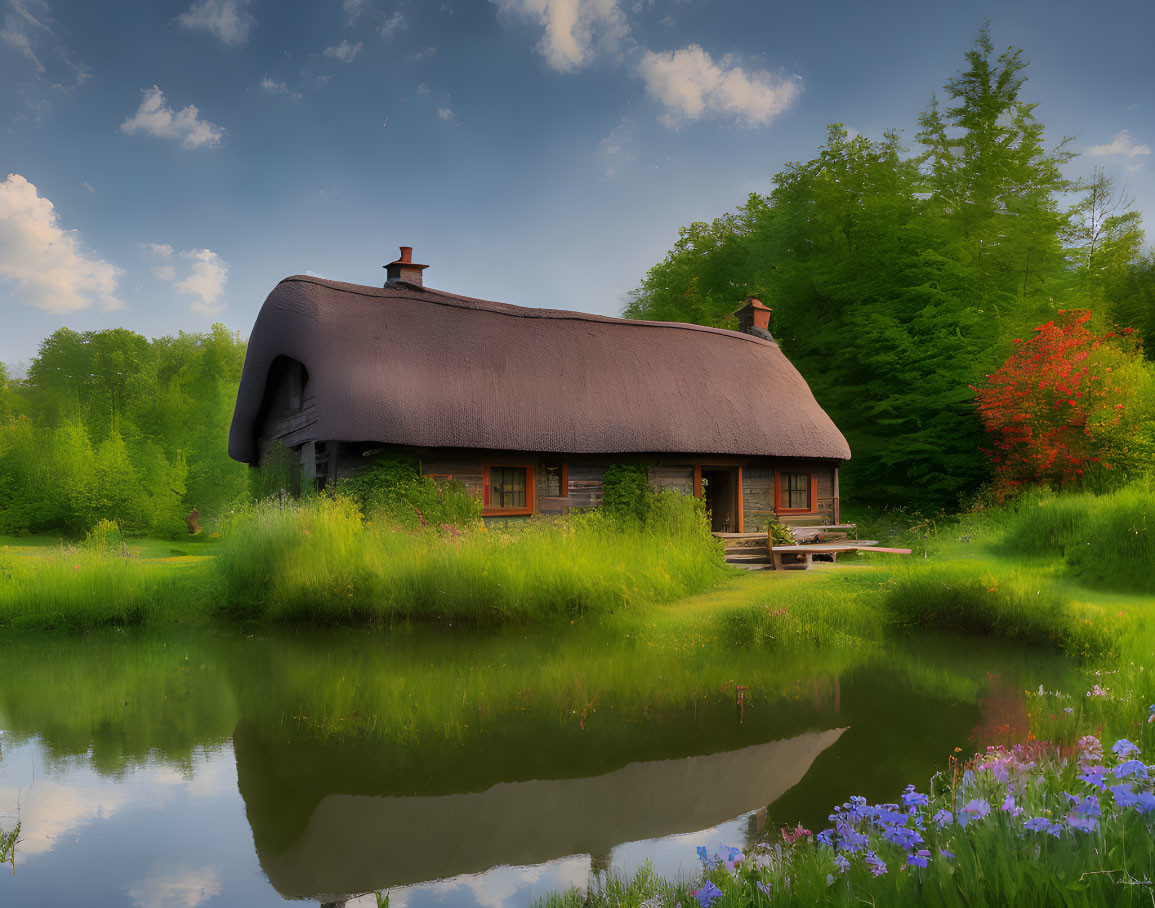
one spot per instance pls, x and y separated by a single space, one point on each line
1019 606
86 587
1118 544
319 562
1106 540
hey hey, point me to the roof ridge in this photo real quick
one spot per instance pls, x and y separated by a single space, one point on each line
445 298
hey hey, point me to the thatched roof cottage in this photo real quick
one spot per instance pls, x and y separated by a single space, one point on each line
527 407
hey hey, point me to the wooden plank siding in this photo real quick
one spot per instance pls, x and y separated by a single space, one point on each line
581 474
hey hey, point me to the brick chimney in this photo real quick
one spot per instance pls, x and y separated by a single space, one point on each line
754 318
404 269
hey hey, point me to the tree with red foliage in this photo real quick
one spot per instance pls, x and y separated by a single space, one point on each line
1068 405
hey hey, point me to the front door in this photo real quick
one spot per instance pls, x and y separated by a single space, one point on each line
720 488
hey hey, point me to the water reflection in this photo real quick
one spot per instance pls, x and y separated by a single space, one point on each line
156 772
356 843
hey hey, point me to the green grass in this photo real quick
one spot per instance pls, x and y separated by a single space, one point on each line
1105 540
75 588
317 562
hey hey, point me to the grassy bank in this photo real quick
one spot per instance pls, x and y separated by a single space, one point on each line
319 562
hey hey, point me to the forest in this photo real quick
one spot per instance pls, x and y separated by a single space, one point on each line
108 425
903 278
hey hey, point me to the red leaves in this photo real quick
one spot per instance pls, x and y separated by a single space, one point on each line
1048 418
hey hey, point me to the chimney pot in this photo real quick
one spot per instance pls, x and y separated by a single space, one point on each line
753 318
404 269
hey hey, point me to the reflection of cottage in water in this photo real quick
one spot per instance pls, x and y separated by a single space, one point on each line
527 407
357 843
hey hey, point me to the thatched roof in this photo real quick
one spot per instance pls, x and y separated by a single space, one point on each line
413 366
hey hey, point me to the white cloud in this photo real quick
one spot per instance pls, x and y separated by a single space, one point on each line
205 281
692 85
27 28
392 25
175 886
1121 144
614 150
573 29
48 265
227 20
88 186
273 87
423 54
163 250
156 118
1133 168
344 52
353 10
422 88
444 113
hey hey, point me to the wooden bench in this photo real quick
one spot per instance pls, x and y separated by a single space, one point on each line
798 557
815 533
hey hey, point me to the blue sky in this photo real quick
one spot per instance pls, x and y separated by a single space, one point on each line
171 161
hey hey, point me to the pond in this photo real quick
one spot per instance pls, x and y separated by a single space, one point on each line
451 767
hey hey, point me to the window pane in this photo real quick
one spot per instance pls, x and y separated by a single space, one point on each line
796 490
507 487
553 482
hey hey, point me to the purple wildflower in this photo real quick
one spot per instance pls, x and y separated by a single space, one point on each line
707 895
1146 802
1085 807
764 889
1083 824
1010 807
1131 768
1124 748
885 816
823 838
851 841
877 864
975 809
943 818
1042 824
732 856
912 798
948 855
1151 714
841 863
919 858
703 855
902 836
1124 795
1094 776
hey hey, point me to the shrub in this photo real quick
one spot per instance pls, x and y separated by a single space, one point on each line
393 489
104 537
1069 406
278 470
626 493
780 534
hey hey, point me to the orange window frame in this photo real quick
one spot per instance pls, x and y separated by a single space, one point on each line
564 483
530 491
779 509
